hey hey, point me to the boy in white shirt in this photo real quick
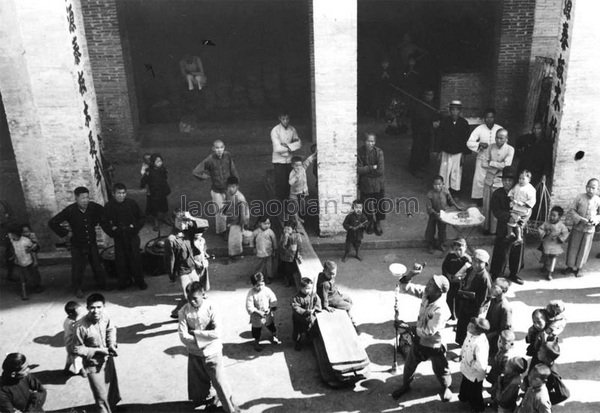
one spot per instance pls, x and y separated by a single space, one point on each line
523 198
299 184
261 304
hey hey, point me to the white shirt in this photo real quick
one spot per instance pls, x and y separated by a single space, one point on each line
482 134
203 342
289 136
23 258
474 357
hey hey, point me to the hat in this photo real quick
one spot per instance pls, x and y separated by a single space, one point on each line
481 323
508 172
397 269
552 350
482 255
460 241
329 266
442 283
518 364
456 103
14 362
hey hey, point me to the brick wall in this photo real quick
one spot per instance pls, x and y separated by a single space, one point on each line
334 46
44 105
546 28
579 124
112 77
512 67
473 89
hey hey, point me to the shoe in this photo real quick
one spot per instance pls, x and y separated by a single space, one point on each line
174 314
143 286
446 395
275 340
358 257
568 270
549 276
298 346
258 347
79 293
577 273
396 394
516 279
378 229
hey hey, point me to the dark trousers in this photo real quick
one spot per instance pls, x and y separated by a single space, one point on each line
80 256
451 297
281 177
301 325
373 207
419 152
464 312
439 363
30 275
471 392
128 259
351 244
257 330
506 252
287 271
433 224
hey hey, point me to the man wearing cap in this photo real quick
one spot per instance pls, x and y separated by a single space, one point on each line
505 250
473 297
428 341
453 134
19 390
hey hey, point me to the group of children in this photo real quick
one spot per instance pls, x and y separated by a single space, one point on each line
518 384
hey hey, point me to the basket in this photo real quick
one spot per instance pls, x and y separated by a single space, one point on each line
543 209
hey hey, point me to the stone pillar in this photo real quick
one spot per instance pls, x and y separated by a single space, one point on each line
575 100
512 66
334 85
113 77
50 105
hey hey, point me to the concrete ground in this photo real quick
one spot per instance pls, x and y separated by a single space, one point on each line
152 362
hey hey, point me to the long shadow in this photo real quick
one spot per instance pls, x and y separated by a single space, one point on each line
176 351
379 331
164 407
56 340
541 297
579 407
580 370
52 376
245 351
135 333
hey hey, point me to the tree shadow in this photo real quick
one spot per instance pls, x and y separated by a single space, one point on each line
136 332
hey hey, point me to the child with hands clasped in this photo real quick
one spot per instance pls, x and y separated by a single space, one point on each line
554 234
261 304
523 198
265 243
355 224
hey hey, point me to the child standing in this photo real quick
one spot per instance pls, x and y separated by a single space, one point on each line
74 363
456 260
237 213
509 383
266 246
157 189
438 199
305 305
24 262
473 364
523 197
299 185
19 390
554 234
506 342
261 303
585 211
536 399
535 335
289 251
355 224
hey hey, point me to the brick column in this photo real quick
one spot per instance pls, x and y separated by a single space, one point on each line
512 66
50 105
334 82
113 78
577 123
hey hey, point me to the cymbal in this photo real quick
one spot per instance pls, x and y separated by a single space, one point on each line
397 269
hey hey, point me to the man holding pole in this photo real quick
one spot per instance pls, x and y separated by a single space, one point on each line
428 345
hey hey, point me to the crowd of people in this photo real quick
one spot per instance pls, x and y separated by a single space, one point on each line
469 292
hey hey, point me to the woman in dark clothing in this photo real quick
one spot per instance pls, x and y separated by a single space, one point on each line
157 190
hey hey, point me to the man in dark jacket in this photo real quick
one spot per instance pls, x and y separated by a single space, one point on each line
473 297
422 120
453 134
371 182
82 216
122 222
504 249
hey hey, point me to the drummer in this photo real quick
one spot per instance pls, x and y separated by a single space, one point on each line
428 341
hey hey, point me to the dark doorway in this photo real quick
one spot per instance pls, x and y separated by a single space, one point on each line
259 60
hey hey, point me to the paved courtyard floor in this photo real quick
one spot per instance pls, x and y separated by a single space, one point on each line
152 362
